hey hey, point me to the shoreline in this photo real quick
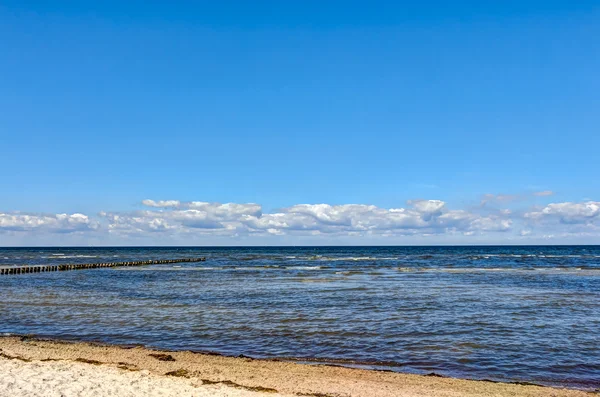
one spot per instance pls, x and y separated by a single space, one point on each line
203 370
377 366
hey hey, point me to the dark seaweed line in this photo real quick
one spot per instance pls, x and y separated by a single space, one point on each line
58 268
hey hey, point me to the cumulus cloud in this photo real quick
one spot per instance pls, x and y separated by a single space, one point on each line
568 213
419 216
187 220
205 207
55 223
490 224
161 203
176 216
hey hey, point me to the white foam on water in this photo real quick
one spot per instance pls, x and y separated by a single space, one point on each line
493 269
356 258
304 267
63 256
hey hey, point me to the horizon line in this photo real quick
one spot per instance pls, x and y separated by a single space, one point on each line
301 246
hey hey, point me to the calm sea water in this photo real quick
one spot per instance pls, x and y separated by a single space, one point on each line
502 313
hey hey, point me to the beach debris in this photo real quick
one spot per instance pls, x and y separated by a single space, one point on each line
87 361
127 366
434 375
182 373
162 356
9 357
237 385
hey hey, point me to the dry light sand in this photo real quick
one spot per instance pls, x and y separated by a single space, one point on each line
30 367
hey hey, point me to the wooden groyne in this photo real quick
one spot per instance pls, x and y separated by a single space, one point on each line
79 266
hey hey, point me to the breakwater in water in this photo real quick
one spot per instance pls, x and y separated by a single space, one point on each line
80 266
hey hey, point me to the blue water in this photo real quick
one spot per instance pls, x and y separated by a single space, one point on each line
501 313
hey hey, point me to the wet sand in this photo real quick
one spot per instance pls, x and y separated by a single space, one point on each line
32 367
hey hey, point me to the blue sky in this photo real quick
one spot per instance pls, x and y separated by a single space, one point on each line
280 104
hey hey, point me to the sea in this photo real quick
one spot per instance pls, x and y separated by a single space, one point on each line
501 313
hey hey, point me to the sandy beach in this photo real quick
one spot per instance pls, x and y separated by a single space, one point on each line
32 367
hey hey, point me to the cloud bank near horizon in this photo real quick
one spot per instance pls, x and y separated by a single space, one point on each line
422 221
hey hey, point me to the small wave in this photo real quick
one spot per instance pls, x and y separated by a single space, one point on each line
318 280
63 256
526 256
165 269
304 267
262 257
350 272
255 268
497 269
351 258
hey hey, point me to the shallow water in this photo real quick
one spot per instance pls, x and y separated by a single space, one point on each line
502 313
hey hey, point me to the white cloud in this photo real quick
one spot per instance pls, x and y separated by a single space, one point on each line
567 212
198 221
427 206
429 217
55 223
201 206
174 216
162 203
225 211
491 224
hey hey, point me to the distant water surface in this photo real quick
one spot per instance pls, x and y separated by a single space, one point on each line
501 313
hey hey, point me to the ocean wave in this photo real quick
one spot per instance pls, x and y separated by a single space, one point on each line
527 256
63 256
165 269
318 280
350 272
350 258
255 268
304 267
262 257
497 269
